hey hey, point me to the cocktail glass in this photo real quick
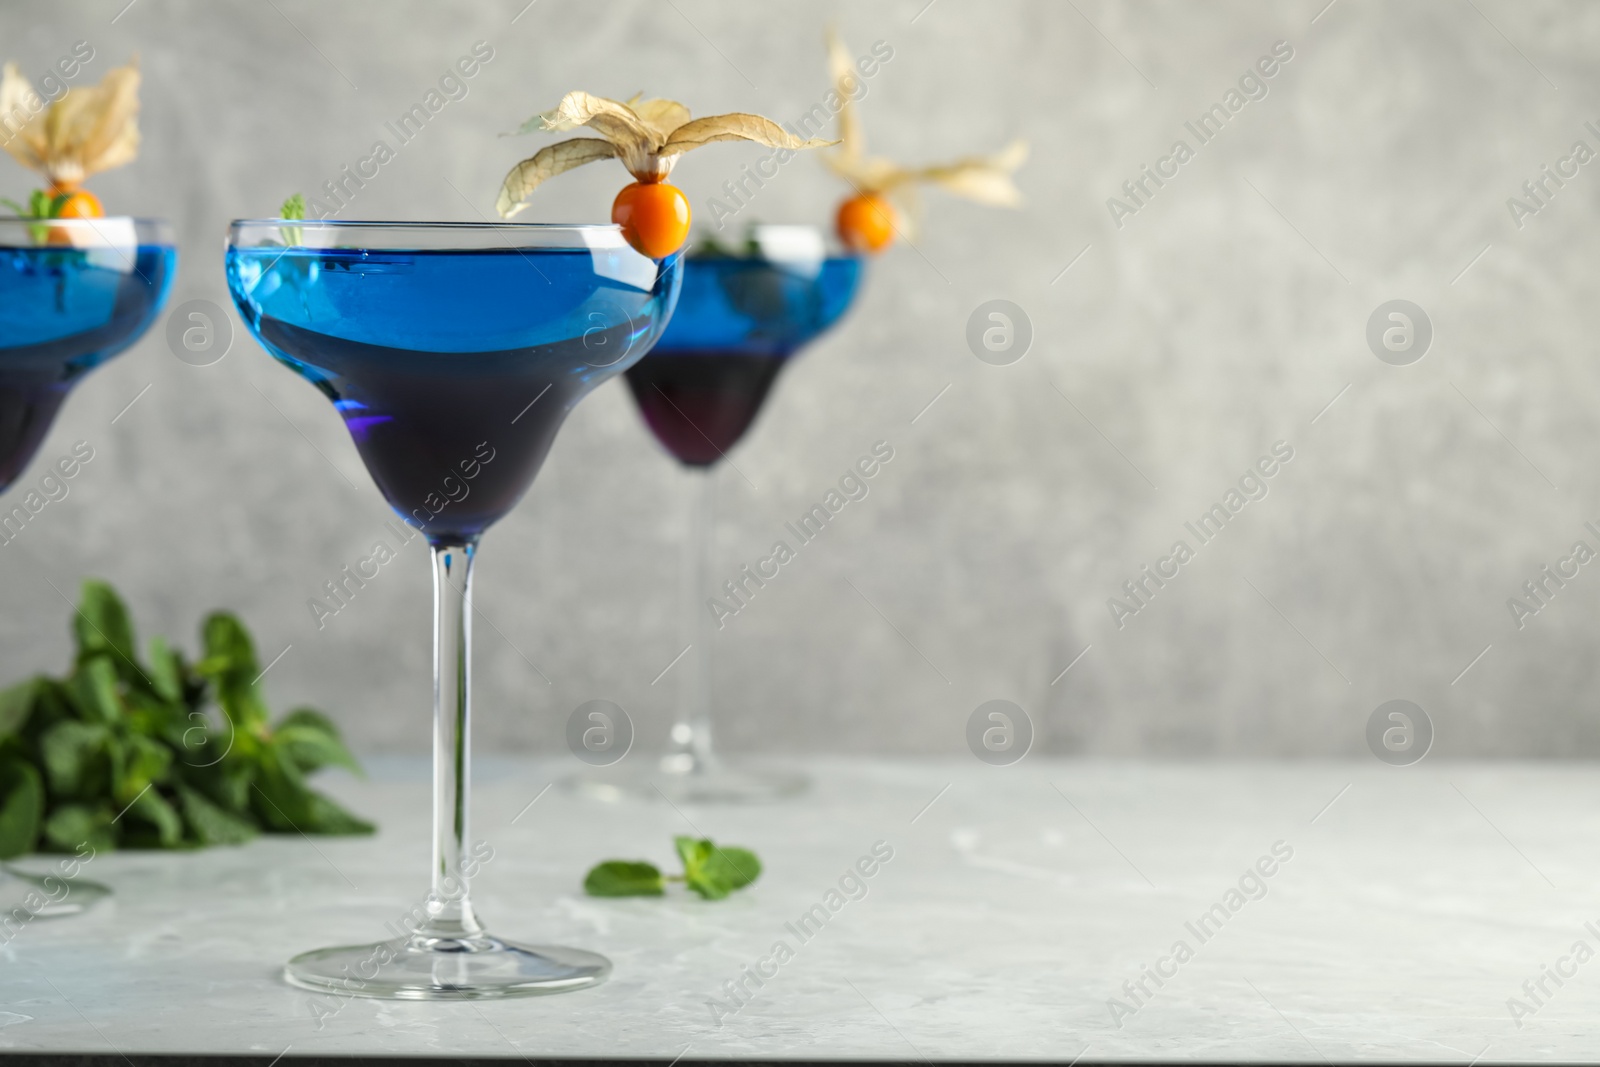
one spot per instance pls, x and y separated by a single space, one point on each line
739 322
73 293
453 351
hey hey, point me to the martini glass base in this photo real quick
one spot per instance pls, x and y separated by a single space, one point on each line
481 967
683 780
20 892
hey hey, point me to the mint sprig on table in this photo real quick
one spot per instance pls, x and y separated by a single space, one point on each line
160 752
709 869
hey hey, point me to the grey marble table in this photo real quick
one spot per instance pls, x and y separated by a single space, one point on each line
1326 911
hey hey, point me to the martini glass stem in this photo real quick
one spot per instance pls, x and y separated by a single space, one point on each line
691 734
450 913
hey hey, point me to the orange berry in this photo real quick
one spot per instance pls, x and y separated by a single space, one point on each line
866 223
654 217
79 204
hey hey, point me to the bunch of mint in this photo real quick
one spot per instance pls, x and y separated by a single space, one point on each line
162 753
709 869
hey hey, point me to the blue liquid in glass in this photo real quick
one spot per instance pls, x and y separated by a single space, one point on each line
64 311
453 369
737 323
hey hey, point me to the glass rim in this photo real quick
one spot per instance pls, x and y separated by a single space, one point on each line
372 234
425 225
137 220
107 231
827 249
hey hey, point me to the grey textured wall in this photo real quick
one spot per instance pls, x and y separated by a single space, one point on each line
1223 316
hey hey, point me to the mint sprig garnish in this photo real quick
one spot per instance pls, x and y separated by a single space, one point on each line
711 870
293 208
158 752
41 205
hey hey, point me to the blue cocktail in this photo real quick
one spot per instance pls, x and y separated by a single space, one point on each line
73 293
452 368
453 352
740 320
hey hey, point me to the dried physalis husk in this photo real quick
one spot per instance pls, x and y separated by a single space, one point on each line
986 179
648 136
546 163
846 80
90 129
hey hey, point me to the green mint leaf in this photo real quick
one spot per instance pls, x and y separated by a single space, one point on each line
692 853
624 878
713 871
93 689
228 645
16 706
708 887
54 704
733 867
21 807
325 816
312 741
293 208
278 797
102 625
145 762
39 203
224 781
199 747
282 802
69 749
231 662
166 671
152 809
72 825
698 872
210 824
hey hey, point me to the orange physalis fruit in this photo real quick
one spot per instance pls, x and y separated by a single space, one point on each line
77 204
865 223
654 217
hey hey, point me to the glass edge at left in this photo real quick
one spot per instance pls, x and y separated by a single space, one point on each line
107 230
